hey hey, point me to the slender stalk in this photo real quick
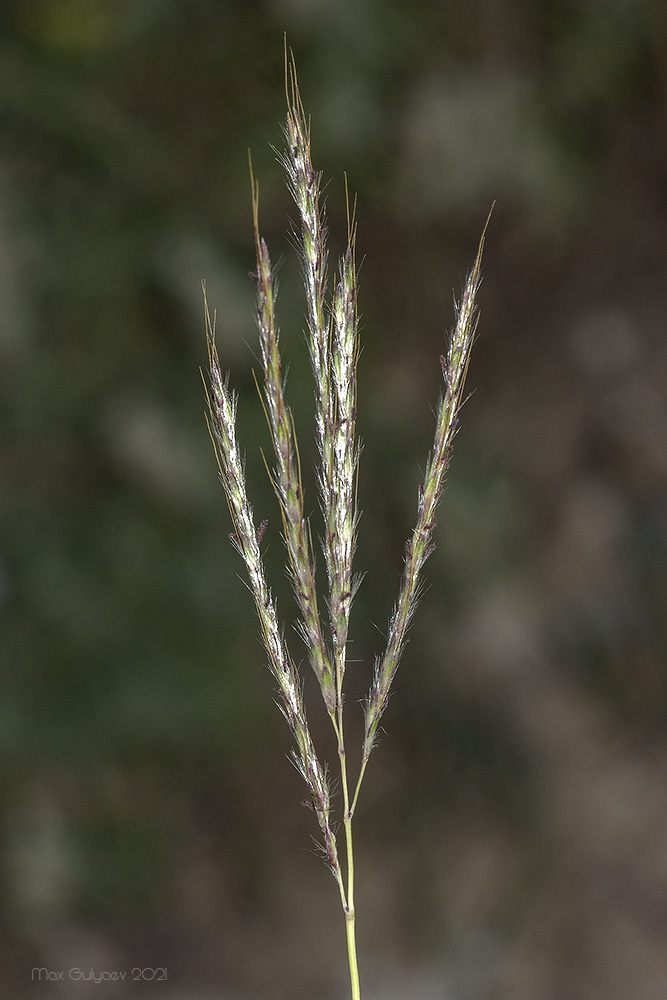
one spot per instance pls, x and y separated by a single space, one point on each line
352 954
350 912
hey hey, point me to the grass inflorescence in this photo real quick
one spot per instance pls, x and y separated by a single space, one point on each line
333 344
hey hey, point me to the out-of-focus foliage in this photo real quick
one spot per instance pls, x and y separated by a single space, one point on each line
149 815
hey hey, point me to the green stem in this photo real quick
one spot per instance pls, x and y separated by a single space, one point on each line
350 914
352 955
348 901
358 788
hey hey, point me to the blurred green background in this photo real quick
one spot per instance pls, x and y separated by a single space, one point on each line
511 834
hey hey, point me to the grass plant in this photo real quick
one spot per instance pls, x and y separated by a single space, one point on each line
332 336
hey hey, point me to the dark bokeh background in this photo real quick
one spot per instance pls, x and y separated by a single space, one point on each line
511 834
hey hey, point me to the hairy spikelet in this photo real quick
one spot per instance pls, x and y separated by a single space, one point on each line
420 544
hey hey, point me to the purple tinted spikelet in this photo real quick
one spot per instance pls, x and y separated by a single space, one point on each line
342 502
305 185
287 475
333 347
